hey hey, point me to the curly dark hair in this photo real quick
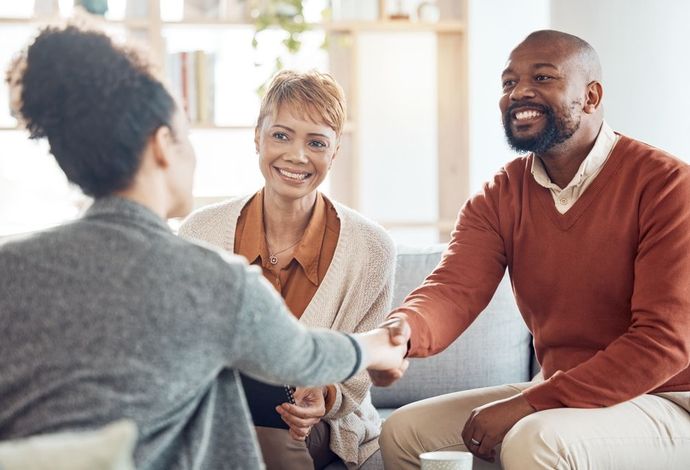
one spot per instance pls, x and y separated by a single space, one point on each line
97 103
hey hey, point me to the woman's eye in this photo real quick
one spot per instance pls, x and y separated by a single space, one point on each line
318 144
279 136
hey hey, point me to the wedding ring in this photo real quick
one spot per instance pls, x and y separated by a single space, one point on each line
474 442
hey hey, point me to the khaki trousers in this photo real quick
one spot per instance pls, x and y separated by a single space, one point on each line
282 452
649 432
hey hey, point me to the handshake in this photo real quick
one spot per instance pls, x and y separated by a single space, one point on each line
384 350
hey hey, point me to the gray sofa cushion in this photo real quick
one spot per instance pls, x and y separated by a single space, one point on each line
495 349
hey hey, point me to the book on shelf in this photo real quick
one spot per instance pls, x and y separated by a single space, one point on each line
192 78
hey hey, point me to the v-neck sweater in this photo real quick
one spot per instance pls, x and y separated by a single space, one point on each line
604 288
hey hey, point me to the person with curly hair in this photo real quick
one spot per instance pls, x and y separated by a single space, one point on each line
113 316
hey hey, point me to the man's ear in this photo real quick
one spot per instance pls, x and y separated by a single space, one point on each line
595 92
162 141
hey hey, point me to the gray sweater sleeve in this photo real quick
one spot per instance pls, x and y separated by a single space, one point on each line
274 347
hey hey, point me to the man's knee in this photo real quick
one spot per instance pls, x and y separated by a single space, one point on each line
396 430
534 443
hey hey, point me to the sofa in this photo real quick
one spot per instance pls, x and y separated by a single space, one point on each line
495 349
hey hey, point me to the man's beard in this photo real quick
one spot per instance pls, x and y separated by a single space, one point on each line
556 130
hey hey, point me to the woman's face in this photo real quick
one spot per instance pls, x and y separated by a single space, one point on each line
294 154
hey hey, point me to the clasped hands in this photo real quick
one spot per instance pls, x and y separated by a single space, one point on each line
307 411
398 330
383 350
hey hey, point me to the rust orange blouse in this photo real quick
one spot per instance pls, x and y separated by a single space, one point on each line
298 281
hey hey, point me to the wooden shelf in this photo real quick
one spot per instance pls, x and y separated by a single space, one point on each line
220 127
137 23
349 127
443 225
394 26
336 26
28 21
213 23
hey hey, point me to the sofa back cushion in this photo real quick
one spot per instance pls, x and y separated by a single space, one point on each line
495 349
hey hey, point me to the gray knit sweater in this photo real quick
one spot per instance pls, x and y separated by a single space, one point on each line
113 316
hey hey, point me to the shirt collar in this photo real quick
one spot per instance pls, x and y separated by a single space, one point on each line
595 159
307 253
253 240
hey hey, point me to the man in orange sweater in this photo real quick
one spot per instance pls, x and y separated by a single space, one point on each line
594 228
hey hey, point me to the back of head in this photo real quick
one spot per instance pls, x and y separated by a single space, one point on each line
96 102
314 95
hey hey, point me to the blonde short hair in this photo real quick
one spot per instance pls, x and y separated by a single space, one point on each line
312 94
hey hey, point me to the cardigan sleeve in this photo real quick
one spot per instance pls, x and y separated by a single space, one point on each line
374 289
462 285
656 346
350 394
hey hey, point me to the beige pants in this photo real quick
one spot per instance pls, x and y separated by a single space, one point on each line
282 452
649 432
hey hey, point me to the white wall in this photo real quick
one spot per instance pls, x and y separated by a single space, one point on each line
398 128
645 52
495 28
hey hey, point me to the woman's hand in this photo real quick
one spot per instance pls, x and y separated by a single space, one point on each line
309 408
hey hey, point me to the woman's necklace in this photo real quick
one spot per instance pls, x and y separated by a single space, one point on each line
273 257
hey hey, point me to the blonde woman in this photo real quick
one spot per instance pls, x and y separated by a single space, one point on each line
333 267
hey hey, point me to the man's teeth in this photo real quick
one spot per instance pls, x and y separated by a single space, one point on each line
296 176
530 114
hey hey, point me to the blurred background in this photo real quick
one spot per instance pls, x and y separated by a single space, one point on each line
422 80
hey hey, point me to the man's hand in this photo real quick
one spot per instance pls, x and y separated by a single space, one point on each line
398 329
307 411
380 354
488 425
399 334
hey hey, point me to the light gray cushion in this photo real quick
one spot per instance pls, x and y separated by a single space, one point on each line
109 448
494 350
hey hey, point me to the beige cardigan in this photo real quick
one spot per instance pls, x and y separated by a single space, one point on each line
354 296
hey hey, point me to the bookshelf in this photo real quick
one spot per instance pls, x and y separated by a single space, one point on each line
347 43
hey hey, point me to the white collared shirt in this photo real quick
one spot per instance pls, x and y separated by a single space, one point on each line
589 169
